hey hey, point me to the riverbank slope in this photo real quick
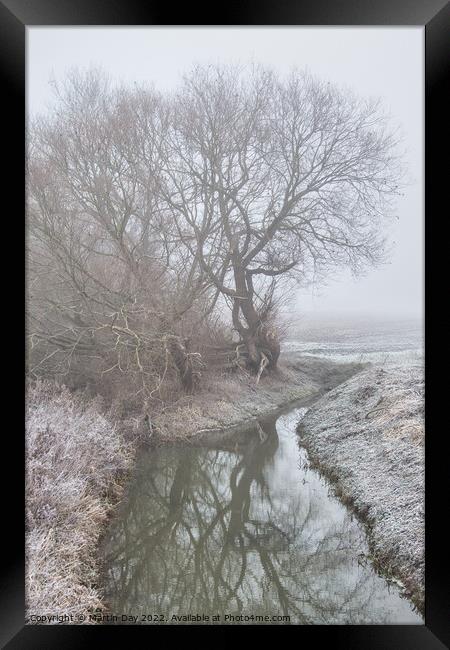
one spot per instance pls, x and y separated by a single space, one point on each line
230 401
367 437
77 459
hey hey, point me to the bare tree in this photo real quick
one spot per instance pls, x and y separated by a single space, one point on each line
268 179
109 286
147 212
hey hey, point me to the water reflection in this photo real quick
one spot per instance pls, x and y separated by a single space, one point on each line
250 530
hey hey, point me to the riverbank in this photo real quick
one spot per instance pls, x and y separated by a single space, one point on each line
75 459
78 459
367 437
227 402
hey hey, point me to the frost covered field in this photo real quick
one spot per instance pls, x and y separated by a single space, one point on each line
361 339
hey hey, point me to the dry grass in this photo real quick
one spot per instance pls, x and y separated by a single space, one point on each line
233 399
73 458
225 400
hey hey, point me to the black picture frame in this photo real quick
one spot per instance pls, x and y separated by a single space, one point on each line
434 15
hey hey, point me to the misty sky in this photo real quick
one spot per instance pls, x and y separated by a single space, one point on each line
381 62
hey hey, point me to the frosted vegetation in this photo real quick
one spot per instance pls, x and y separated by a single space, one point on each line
368 436
74 455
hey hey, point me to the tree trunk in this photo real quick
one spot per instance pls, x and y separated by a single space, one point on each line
186 363
261 340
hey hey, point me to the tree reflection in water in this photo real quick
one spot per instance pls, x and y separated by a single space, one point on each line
252 530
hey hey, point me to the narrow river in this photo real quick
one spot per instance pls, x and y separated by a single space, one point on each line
244 534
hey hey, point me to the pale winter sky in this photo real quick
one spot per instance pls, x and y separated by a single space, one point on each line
381 62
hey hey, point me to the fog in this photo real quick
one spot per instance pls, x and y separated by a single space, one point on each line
381 62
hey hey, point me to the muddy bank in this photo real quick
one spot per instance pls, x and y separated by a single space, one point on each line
367 436
227 402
